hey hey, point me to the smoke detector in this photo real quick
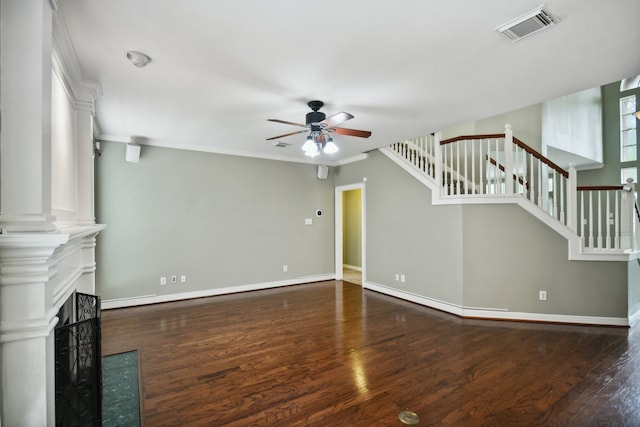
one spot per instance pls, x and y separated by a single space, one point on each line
536 20
138 59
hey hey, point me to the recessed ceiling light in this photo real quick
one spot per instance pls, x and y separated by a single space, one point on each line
138 59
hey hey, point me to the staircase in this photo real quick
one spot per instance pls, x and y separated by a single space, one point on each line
599 223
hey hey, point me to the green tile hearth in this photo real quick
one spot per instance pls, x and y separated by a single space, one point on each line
120 394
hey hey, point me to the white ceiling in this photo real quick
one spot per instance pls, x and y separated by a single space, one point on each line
406 68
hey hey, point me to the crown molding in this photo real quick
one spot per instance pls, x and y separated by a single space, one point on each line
81 92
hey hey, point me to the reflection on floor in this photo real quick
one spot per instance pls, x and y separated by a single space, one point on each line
352 276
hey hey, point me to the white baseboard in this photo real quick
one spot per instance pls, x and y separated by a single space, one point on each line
352 267
154 299
634 317
495 313
429 302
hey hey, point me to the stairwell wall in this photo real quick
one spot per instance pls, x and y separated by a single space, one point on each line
492 258
634 287
511 256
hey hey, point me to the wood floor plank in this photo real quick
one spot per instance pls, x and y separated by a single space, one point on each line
333 354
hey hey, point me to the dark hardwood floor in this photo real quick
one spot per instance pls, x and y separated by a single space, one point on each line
331 354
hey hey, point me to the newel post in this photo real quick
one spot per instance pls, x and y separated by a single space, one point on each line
627 217
438 160
508 160
572 198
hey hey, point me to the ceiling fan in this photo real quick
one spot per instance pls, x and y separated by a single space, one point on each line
319 128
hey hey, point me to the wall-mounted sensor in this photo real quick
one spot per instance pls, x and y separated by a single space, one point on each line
318 212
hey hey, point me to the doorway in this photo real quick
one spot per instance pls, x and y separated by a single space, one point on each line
350 233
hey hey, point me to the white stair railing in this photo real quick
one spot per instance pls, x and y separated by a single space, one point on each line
419 152
608 218
499 165
472 165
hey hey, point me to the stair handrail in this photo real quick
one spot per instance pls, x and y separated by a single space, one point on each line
540 157
517 141
468 137
502 168
510 156
593 231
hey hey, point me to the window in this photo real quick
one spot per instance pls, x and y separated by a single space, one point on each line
628 173
628 141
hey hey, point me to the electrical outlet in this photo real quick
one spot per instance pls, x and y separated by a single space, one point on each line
402 278
163 280
285 268
183 279
397 277
542 295
174 280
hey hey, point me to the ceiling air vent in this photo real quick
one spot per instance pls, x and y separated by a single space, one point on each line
529 23
280 144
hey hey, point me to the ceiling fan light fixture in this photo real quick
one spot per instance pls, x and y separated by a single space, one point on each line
330 147
312 152
138 59
309 145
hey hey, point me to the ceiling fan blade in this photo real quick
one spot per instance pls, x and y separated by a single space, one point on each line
351 132
336 119
287 123
287 134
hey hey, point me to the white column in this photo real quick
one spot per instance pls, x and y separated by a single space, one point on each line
628 217
25 85
508 160
438 161
87 281
84 134
27 319
572 199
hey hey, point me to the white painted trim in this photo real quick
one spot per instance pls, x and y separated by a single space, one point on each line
81 92
574 248
415 172
154 298
495 313
543 317
229 152
634 317
352 267
418 299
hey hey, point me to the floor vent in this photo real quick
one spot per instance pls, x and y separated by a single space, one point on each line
529 23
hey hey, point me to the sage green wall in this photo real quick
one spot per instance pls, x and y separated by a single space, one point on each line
510 256
405 234
352 228
482 256
634 286
610 173
526 124
221 220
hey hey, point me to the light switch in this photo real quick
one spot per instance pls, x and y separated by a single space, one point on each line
308 221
